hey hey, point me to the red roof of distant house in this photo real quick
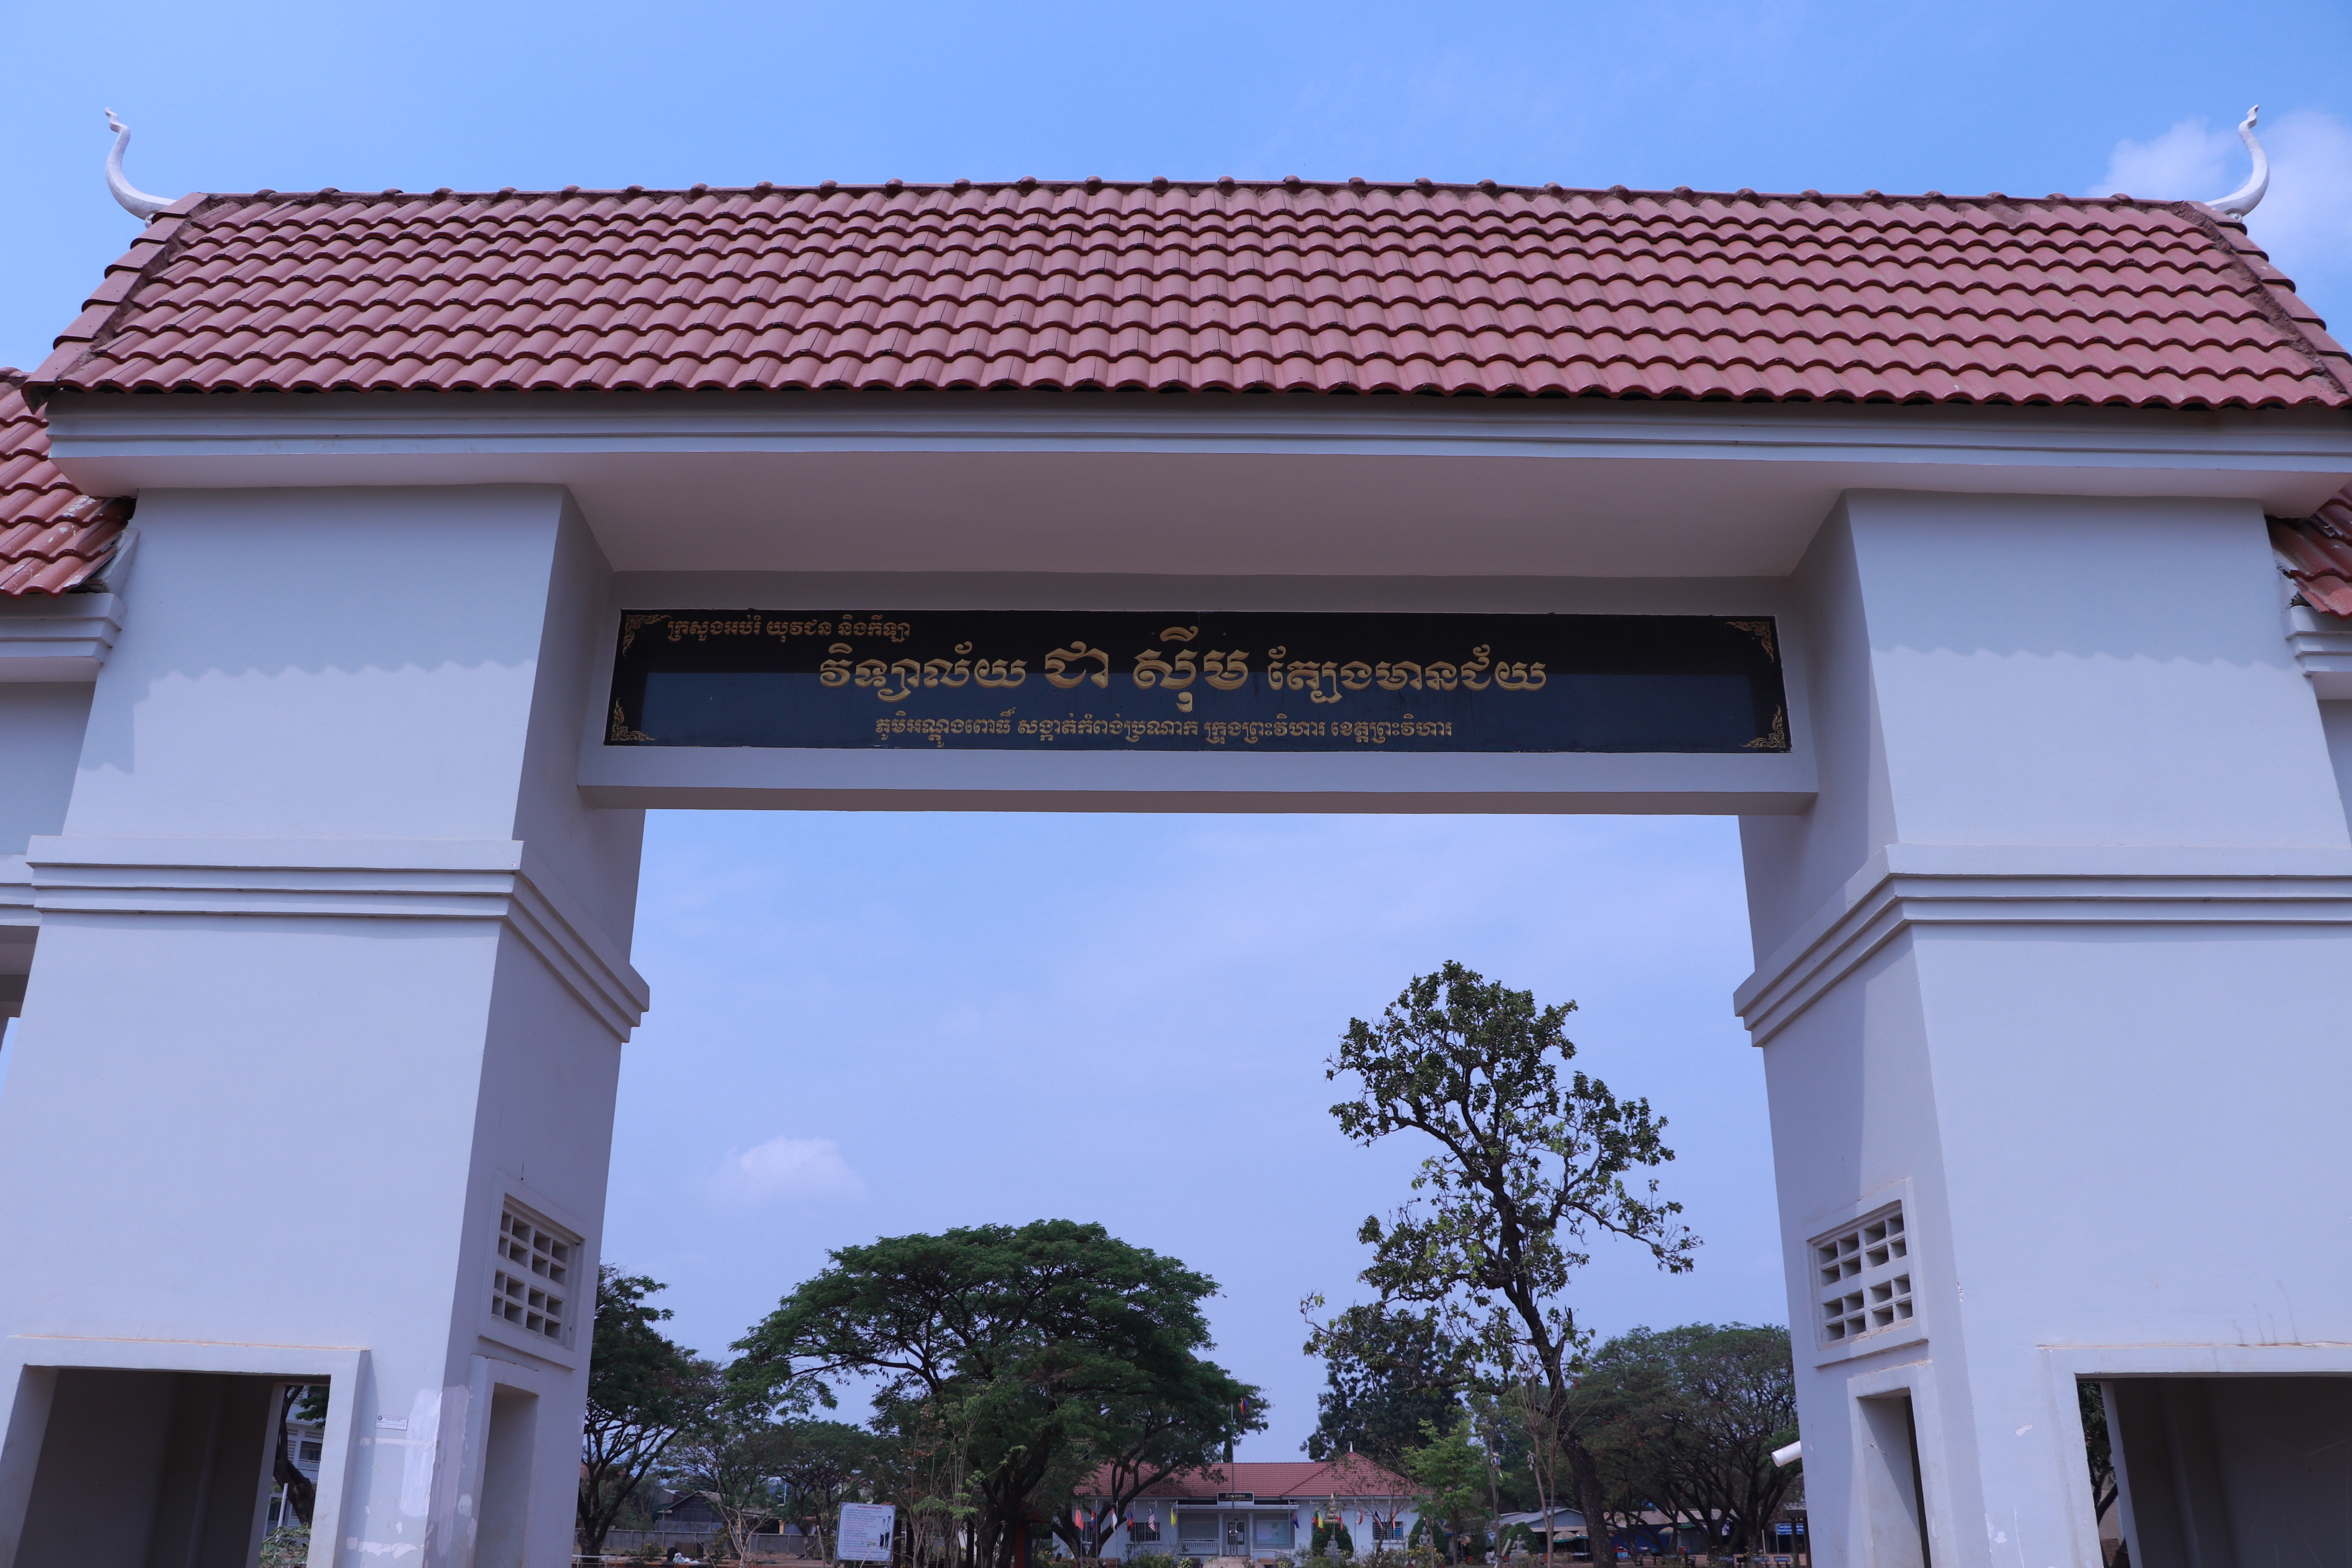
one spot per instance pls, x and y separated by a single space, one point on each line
52 537
1347 1475
1287 287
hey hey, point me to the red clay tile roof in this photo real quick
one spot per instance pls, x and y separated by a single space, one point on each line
1348 1474
52 536
1329 288
2317 551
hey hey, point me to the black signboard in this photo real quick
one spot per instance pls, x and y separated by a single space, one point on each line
1181 682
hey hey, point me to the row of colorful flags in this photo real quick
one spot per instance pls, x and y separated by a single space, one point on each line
1110 1520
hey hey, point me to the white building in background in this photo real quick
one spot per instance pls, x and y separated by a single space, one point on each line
1926 535
1259 1510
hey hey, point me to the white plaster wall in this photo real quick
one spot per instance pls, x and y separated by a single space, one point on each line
2335 722
2041 671
322 665
40 738
356 1044
322 669
594 852
1852 1100
543 1131
2056 671
2111 1127
1794 864
2139 1147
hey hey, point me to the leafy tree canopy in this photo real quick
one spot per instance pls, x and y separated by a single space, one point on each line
1049 1349
1685 1420
643 1391
1452 1473
1387 1376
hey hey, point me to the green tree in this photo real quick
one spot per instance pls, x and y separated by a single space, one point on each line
735 1458
930 1445
1685 1420
820 1464
1054 1344
1522 1409
1386 1376
643 1391
1527 1172
1141 1435
1453 1473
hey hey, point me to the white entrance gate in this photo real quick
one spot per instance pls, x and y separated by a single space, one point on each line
2050 884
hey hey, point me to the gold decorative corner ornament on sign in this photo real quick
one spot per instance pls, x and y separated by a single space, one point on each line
1778 741
620 735
1762 632
631 625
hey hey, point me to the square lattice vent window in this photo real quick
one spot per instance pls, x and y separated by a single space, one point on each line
532 1284
1861 1278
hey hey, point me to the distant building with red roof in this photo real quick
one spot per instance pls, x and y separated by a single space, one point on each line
1258 1509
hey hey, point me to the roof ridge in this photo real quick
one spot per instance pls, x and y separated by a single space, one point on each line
2270 298
328 194
161 240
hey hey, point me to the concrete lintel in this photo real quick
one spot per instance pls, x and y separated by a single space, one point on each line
2276 1360
743 778
1104 482
92 428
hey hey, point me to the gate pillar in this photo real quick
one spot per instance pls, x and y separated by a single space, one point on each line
314 1079
2045 987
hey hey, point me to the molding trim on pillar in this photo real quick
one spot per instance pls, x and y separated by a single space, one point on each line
16 893
1905 885
62 639
2323 648
371 879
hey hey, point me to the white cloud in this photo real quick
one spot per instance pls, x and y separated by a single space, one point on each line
2305 222
791 1168
2188 163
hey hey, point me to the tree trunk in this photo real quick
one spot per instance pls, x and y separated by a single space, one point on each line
301 1496
1591 1501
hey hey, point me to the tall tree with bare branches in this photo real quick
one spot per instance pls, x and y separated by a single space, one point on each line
1530 1168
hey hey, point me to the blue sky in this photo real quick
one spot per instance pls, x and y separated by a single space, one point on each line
866 1025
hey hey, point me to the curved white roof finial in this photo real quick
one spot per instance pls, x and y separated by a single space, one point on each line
2248 196
134 201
